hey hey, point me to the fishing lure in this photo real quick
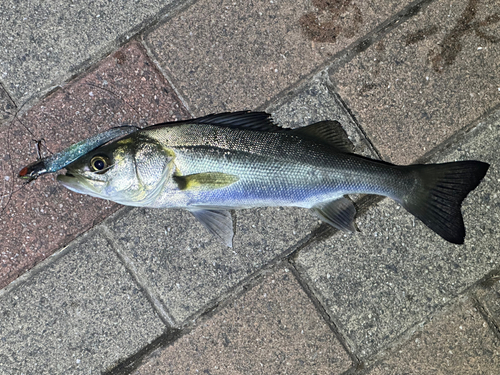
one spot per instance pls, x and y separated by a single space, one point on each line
61 159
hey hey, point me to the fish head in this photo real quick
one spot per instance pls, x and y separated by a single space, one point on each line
130 171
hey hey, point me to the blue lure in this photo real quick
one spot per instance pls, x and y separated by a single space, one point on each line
61 159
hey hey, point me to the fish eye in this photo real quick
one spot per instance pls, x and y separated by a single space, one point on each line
99 163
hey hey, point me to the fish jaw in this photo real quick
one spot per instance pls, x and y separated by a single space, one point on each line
82 185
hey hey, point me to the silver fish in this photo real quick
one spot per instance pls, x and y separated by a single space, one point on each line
239 160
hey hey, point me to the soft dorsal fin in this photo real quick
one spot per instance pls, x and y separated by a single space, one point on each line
327 132
259 121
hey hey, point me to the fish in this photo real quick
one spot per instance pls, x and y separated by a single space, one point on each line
220 162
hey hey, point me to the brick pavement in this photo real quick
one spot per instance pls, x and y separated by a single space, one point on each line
89 287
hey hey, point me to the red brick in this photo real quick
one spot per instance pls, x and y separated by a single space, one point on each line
43 216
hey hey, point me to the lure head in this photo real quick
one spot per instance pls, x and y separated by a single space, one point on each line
32 171
130 171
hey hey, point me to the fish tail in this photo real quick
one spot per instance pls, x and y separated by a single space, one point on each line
437 196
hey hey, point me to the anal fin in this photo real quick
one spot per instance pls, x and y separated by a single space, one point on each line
218 222
339 213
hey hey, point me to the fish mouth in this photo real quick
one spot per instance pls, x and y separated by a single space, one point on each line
81 184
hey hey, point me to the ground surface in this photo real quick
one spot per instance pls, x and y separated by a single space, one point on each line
90 287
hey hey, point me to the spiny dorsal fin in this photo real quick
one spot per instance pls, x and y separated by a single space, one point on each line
259 121
205 181
243 119
327 132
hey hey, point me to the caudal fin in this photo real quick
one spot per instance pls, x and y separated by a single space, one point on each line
438 195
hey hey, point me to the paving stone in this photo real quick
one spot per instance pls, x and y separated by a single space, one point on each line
457 342
45 43
186 267
225 56
378 283
79 314
431 76
272 329
43 216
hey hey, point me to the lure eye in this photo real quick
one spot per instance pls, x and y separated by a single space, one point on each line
99 163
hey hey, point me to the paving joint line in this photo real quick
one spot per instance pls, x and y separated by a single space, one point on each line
467 293
155 302
237 290
334 93
460 136
32 272
133 362
344 56
165 75
202 315
9 97
170 337
356 362
486 315
147 25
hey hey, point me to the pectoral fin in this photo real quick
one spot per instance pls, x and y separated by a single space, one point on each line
218 222
205 181
338 213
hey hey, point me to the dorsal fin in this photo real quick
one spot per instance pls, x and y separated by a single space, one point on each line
243 119
329 133
259 121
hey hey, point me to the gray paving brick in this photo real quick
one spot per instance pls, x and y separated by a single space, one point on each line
456 342
272 329
429 77
185 267
378 283
226 56
79 314
45 42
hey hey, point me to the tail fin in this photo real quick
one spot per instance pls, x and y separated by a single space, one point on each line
438 195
